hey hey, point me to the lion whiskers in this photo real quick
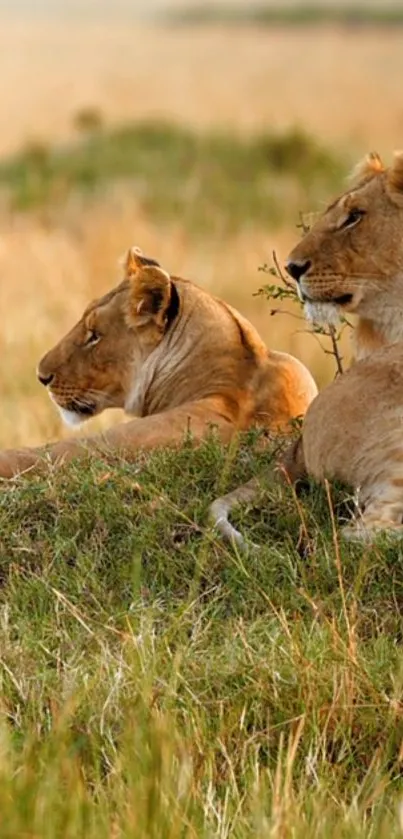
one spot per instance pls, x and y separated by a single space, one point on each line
107 400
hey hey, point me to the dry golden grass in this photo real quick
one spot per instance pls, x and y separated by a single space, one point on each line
338 84
342 87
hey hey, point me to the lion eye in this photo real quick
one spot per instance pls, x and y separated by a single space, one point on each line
353 218
92 338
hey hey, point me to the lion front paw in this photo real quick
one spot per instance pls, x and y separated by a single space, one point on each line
15 462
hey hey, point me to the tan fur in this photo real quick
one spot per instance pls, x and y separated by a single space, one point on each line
396 173
357 268
169 353
353 430
366 168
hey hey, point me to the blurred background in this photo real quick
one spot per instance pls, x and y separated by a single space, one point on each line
202 132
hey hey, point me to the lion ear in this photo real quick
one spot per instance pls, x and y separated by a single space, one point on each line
395 173
134 260
369 166
150 286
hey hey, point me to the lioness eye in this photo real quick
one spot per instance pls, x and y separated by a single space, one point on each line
93 338
353 217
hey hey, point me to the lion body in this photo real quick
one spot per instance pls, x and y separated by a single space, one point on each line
173 356
353 263
353 431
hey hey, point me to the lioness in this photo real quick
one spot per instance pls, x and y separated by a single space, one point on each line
352 261
169 352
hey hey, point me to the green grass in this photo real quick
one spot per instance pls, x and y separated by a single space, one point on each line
213 182
154 683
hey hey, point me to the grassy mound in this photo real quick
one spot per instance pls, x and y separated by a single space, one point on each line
157 684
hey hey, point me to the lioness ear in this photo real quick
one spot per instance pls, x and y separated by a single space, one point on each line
151 287
368 167
395 173
135 260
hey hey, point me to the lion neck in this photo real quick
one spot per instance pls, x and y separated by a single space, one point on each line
192 361
377 328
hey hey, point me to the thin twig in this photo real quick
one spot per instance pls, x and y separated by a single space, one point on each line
335 350
290 315
280 273
302 224
276 292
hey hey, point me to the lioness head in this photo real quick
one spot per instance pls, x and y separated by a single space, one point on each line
94 366
352 258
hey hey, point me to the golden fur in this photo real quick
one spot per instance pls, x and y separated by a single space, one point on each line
352 258
352 261
171 354
353 431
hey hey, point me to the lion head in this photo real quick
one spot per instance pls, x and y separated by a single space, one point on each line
351 261
94 365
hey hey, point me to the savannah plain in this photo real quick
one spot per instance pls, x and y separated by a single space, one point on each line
154 683
339 87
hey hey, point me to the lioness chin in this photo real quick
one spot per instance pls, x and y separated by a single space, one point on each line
351 261
172 355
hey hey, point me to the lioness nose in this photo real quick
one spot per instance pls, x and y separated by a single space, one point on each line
297 269
45 378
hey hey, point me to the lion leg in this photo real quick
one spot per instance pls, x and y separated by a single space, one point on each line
128 439
382 514
169 428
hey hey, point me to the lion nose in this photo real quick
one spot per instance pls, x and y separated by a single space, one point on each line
297 269
45 378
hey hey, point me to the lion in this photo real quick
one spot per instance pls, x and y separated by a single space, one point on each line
351 261
170 354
